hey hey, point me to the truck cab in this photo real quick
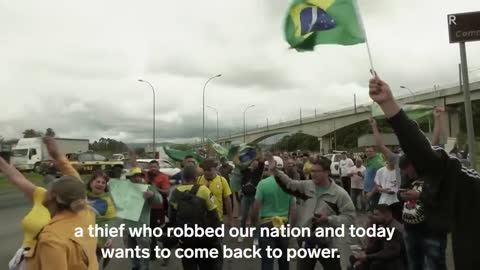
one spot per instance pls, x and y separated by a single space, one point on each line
28 154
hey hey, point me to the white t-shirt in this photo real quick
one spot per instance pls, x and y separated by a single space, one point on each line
345 166
387 179
356 180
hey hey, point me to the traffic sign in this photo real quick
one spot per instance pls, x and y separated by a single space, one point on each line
464 27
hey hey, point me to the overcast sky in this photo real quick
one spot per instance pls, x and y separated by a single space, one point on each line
74 66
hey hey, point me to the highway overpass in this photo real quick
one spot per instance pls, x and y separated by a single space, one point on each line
323 125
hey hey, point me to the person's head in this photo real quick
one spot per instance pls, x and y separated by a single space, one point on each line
98 183
153 167
407 167
136 176
306 157
291 165
358 162
286 155
320 171
382 215
209 167
294 155
190 173
66 193
344 155
369 151
392 163
224 161
189 160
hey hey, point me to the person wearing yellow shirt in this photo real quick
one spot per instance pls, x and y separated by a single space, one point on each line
186 210
39 215
307 165
220 189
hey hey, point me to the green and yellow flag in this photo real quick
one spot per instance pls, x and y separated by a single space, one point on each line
413 111
312 22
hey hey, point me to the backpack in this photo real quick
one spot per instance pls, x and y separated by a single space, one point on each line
191 209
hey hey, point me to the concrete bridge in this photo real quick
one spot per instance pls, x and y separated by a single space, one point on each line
323 125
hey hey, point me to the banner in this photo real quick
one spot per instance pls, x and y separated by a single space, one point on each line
128 198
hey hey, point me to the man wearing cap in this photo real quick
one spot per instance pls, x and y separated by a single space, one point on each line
151 196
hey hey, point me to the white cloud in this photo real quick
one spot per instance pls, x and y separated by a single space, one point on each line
73 66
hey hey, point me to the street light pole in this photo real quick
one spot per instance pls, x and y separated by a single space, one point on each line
204 86
153 92
244 123
218 136
410 90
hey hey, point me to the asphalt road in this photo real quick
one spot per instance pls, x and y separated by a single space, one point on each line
13 207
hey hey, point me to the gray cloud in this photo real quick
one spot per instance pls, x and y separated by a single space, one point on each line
74 66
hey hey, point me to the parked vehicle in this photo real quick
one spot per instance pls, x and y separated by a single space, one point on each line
29 153
89 162
118 157
335 167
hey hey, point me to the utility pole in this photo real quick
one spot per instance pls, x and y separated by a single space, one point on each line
468 106
300 115
355 102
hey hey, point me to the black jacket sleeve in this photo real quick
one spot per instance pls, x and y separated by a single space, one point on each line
416 146
391 249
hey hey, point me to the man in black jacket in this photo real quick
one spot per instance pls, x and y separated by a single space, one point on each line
451 192
380 253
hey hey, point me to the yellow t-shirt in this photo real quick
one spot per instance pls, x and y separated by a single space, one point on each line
203 193
219 188
36 219
306 169
39 216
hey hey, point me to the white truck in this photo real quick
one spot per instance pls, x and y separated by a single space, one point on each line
29 153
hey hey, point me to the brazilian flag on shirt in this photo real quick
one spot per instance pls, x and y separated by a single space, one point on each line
312 22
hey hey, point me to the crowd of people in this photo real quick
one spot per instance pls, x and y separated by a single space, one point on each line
420 191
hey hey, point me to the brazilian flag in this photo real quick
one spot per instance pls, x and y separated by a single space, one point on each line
312 22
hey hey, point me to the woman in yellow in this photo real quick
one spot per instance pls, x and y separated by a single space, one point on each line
49 227
99 198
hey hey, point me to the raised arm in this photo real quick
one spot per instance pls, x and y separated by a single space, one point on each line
438 125
411 138
16 178
61 161
297 188
379 139
133 158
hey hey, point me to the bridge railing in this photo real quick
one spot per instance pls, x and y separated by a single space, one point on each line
336 113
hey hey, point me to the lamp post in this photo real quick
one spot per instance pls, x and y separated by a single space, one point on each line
153 137
204 86
244 123
410 90
218 136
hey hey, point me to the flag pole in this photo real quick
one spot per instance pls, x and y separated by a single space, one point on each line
362 25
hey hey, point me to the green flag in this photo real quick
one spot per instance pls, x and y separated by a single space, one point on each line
179 155
218 148
414 111
312 22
